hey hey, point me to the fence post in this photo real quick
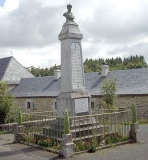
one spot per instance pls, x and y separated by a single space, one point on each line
19 129
67 145
134 132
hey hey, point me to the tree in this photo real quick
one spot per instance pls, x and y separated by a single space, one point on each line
91 65
7 107
108 89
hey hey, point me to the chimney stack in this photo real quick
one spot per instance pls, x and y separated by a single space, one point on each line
57 73
105 70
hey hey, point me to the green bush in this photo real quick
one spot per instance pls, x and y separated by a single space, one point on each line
7 108
108 90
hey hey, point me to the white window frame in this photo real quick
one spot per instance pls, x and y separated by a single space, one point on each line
31 104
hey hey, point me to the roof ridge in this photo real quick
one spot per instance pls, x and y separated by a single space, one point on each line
128 69
37 77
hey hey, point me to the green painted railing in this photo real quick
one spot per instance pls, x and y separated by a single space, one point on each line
94 131
88 131
43 130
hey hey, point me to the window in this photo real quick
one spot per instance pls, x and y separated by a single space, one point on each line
55 105
28 105
92 105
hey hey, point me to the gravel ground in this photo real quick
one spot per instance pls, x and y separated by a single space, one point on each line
136 151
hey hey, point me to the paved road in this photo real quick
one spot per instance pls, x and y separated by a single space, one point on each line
137 151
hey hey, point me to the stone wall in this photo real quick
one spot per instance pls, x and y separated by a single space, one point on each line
48 104
141 103
126 102
39 104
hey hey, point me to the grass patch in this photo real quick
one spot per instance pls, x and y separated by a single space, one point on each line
2 132
143 121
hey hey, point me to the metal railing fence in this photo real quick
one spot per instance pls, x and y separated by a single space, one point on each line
43 130
96 129
87 131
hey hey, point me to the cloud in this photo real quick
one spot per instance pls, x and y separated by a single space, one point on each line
126 51
30 28
111 25
30 25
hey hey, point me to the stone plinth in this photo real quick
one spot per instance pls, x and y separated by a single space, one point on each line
134 132
70 29
76 103
18 135
67 146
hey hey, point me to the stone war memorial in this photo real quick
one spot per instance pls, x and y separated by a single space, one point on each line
73 128
73 94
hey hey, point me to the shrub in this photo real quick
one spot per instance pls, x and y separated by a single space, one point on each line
7 108
108 90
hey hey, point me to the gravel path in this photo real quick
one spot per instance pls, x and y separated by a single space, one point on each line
136 151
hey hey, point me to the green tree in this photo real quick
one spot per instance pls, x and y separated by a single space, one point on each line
108 89
94 65
7 107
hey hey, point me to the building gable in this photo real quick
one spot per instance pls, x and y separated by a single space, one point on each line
4 62
14 71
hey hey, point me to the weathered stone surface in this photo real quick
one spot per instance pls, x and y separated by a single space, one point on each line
67 146
70 30
134 132
69 15
70 75
72 71
39 103
18 134
126 101
67 101
66 138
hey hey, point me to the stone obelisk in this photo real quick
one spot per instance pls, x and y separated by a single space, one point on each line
73 96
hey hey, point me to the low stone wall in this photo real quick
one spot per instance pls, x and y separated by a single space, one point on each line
7 128
10 127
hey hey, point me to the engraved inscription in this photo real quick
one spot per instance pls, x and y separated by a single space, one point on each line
81 105
77 76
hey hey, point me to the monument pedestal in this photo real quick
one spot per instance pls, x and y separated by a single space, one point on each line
77 103
67 146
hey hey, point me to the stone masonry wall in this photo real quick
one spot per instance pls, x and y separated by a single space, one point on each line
48 104
141 103
39 104
126 102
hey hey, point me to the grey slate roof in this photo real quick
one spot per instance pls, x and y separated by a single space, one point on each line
11 71
3 66
37 87
129 82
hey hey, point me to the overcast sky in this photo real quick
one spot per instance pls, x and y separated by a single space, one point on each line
29 29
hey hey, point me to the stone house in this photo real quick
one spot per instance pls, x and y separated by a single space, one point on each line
39 93
11 72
